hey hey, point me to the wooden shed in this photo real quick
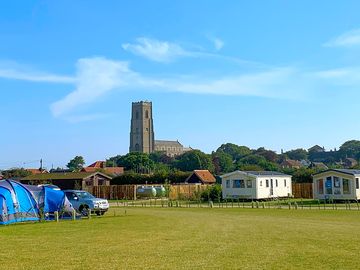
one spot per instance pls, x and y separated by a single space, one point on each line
203 177
69 180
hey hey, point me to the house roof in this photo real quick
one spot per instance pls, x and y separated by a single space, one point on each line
97 164
351 160
319 165
291 162
316 148
168 143
63 176
346 171
36 171
107 170
257 173
204 175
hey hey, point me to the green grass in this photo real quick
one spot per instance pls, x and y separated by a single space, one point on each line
183 238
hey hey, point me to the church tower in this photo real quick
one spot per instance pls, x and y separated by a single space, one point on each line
142 129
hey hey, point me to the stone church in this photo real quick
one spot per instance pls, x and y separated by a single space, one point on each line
142 138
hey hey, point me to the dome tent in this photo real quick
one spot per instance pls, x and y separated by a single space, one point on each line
21 203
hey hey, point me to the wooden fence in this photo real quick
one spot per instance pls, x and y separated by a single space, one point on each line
302 190
119 192
186 191
115 192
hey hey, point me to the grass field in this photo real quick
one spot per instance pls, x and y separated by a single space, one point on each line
195 238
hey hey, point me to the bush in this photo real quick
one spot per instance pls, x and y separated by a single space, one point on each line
212 193
131 178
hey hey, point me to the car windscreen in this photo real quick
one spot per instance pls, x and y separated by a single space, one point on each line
84 195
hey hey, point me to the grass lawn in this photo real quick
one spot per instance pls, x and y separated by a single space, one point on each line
188 238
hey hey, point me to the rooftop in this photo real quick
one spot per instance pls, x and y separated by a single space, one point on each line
62 176
168 143
266 173
346 171
258 173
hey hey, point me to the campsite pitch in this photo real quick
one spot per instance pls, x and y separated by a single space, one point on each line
188 239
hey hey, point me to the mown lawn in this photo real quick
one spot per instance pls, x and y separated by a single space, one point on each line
195 238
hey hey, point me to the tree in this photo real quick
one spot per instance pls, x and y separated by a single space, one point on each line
161 157
223 162
235 151
194 160
297 154
350 149
136 161
15 173
257 160
76 164
267 154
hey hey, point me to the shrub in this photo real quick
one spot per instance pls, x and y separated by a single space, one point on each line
212 193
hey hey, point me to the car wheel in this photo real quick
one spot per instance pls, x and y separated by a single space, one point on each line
98 213
84 210
102 213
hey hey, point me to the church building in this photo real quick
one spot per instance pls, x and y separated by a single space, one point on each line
142 133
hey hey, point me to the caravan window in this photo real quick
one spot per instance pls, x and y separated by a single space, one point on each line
227 183
346 186
236 183
357 183
248 183
320 186
284 182
267 182
328 185
276 182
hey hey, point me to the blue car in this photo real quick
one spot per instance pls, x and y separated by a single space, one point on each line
85 203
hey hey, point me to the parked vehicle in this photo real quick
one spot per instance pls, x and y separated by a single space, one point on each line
50 186
85 203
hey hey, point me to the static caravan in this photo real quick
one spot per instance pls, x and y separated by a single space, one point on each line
337 184
255 185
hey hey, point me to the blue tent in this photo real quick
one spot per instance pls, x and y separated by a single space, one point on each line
19 203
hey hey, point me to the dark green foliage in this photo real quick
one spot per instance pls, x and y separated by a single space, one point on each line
131 178
297 154
212 193
15 173
267 154
258 161
76 164
134 161
160 157
223 162
235 151
194 160
350 149
302 175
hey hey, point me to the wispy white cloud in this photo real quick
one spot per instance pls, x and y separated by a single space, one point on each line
95 77
349 76
165 51
347 39
98 76
218 43
156 50
274 83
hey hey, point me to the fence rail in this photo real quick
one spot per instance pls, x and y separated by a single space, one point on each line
178 192
128 192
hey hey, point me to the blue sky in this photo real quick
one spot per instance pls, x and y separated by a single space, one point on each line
277 74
